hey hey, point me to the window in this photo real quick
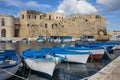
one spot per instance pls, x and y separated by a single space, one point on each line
35 16
40 17
49 17
45 25
22 16
28 25
52 26
29 16
3 22
57 17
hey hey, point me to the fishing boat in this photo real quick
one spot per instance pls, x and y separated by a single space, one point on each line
115 37
87 38
67 38
116 44
71 56
24 40
96 52
40 39
9 64
54 39
41 61
109 46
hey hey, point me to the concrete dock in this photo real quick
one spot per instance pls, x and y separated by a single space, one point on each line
109 72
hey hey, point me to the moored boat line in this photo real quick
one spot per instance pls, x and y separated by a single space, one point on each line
68 53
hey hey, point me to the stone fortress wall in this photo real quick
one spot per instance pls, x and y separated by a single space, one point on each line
33 23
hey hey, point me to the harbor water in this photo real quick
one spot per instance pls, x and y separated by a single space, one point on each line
63 71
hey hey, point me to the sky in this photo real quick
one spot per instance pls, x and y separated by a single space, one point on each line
108 8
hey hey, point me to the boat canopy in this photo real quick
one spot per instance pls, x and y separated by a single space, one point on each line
60 50
32 53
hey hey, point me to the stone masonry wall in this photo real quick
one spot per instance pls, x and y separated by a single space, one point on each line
49 24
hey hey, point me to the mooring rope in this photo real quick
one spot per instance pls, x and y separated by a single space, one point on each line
30 71
13 74
68 66
106 51
91 56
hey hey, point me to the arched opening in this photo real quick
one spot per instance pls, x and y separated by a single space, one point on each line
101 32
3 33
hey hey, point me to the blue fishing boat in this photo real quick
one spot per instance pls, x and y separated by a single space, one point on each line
107 45
40 39
9 63
99 48
54 39
67 38
71 56
96 52
39 61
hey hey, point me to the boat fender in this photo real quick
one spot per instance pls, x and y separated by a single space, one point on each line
56 60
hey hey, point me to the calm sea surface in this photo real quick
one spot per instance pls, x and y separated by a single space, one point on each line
63 71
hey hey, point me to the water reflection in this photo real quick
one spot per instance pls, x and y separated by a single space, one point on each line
4 46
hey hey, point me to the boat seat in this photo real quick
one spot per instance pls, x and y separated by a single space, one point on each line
6 62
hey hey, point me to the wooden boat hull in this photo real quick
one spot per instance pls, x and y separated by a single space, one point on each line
43 66
96 56
4 75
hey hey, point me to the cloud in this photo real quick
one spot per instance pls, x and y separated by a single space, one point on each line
15 3
110 4
69 7
35 4
27 4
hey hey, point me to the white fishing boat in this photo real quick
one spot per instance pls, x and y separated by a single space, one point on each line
41 65
67 38
71 56
96 53
40 39
88 38
9 64
115 37
40 61
54 39
77 57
